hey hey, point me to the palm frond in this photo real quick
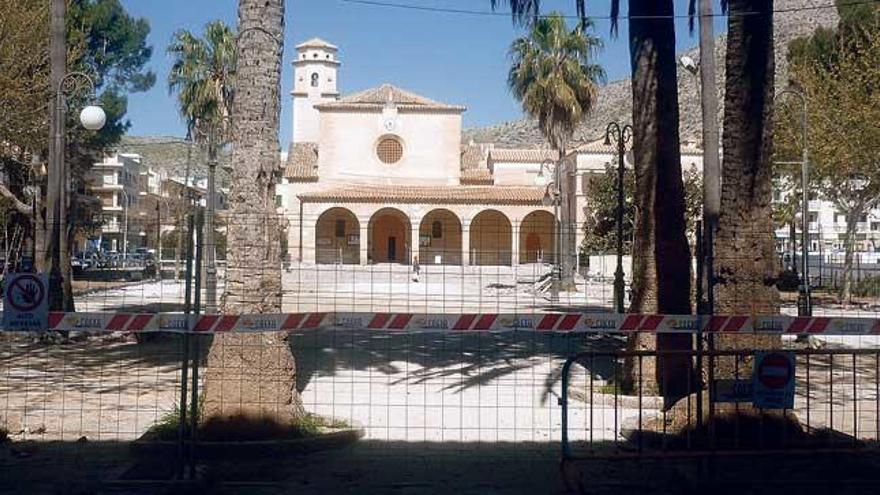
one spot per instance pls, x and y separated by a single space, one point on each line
553 76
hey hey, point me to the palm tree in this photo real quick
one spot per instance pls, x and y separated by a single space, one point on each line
554 77
254 374
556 81
203 76
745 246
661 267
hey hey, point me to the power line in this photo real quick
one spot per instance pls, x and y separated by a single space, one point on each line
491 13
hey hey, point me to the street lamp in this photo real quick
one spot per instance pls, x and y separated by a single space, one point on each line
552 197
621 136
805 303
93 118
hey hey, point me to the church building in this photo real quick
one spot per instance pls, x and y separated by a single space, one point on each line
382 176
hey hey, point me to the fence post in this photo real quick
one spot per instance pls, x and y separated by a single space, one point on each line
184 378
196 353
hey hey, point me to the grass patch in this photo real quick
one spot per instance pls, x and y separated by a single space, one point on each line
241 428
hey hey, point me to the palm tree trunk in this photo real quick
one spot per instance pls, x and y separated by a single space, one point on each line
254 374
745 246
661 262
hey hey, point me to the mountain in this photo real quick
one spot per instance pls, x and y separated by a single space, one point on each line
793 19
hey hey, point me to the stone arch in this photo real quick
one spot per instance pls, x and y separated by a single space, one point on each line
490 237
440 238
337 237
389 237
537 238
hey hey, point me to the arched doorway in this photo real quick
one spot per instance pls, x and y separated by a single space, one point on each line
337 237
440 238
537 238
390 233
490 239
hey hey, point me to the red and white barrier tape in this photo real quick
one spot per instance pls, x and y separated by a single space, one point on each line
442 323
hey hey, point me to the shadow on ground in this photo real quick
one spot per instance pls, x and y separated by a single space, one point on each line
374 467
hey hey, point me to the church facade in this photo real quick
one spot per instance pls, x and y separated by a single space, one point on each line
382 176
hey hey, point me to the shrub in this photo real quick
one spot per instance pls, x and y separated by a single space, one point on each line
867 287
788 281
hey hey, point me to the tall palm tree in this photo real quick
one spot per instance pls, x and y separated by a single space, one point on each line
661 267
254 374
555 79
745 246
203 76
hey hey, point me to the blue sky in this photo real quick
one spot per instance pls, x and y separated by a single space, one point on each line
453 58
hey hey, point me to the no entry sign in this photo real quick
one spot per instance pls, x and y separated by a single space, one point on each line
773 380
25 305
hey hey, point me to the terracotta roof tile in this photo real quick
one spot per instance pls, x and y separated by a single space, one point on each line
302 162
522 155
380 96
316 43
480 195
472 156
477 176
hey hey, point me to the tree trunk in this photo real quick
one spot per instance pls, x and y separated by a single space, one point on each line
567 216
254 374
792 245
661 261
745 246
181 231
849 254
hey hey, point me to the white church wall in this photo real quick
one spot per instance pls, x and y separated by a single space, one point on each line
431 148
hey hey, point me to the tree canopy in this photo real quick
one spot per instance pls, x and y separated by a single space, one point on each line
838 73
554 77
600 226
203 76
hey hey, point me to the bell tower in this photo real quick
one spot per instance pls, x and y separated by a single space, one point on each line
314 82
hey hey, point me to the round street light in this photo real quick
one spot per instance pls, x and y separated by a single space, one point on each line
93 118
689 64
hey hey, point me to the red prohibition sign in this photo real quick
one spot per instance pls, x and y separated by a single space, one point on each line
775 370
29 290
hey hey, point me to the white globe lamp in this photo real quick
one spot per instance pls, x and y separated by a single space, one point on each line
93 118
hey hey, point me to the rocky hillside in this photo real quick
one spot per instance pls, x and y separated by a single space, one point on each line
615 99
169 155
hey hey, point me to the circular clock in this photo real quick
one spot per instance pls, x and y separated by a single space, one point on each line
389 124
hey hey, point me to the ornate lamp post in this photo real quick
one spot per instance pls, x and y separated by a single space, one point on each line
91 117
805 302
621 136
552 197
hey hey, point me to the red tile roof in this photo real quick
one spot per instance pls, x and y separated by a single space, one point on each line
479 195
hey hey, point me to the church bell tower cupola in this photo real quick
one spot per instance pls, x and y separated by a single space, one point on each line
314 82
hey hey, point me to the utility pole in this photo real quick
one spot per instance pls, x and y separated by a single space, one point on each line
711 160
54 208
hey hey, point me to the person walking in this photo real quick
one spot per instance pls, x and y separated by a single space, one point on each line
416 269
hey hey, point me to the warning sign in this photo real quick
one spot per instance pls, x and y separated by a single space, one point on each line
773 380
25 305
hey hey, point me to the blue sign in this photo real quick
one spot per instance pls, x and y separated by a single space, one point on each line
25 302
773 380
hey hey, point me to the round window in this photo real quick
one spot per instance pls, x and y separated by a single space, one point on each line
389 150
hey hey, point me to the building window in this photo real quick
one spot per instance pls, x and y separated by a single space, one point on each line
875 225
340 228
389 150
437 229
278 201
315 80
813 216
